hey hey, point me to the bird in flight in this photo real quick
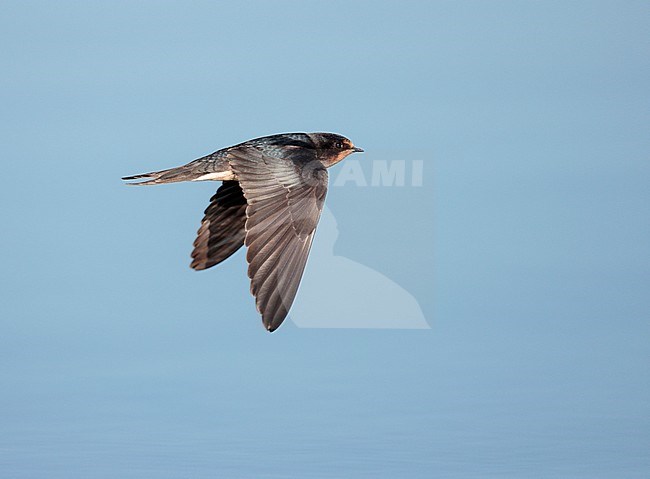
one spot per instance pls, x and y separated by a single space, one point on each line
271 197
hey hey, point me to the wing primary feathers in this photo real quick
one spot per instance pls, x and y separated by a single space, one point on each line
222 230
281 217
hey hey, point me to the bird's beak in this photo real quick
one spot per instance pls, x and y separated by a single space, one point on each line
357 150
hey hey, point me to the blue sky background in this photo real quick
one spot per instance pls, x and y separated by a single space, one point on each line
527 247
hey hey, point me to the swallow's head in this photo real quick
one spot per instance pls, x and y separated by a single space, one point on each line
332 148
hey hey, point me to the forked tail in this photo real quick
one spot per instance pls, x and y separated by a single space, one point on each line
173 175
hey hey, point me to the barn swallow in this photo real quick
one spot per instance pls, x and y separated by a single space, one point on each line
271 197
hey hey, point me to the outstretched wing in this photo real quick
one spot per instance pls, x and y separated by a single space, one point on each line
222 230
285 196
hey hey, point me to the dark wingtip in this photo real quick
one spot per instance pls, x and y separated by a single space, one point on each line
201 265
271 326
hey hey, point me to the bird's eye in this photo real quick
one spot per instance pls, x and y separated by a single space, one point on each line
338 145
